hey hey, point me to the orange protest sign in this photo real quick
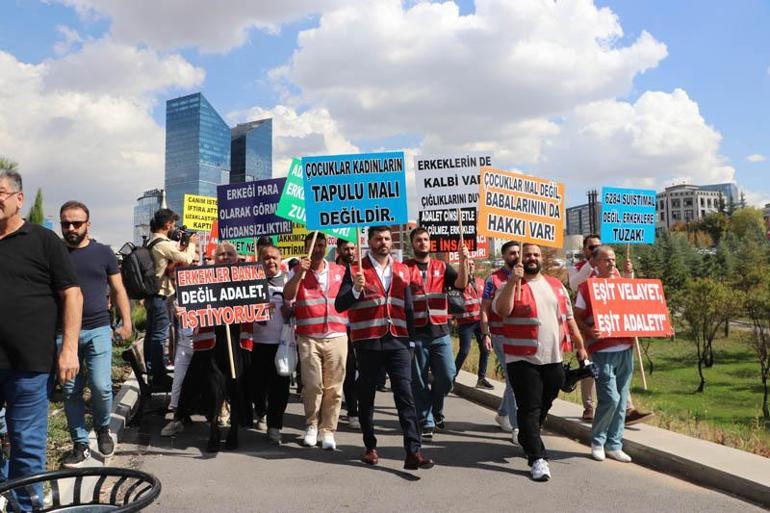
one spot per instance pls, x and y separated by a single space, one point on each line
515 206
629 308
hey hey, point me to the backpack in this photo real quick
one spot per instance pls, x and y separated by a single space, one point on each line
138 272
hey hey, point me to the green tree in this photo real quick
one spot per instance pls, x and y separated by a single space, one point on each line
36 214
758 310
748 224
8 164
716 225
705 304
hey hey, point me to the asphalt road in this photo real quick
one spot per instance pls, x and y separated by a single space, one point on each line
478 469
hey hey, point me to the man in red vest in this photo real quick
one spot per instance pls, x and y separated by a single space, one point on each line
615 359
469 326
322 340
537 328
379 300
433 344
346 255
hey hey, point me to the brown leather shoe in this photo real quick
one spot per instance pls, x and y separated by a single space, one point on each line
635 416
417 460
370 457
588 414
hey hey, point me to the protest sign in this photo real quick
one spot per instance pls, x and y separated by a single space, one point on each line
515 206
629 308
199 212
248 209
292 203
628 216
448 181
444 229
355 190
293 244
214 295
480 253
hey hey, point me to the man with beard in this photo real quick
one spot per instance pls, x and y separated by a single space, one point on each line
492 333
97 270
381 324
322 339
537 329
346 255
433 343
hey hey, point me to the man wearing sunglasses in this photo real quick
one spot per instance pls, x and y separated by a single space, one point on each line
97 270
39 288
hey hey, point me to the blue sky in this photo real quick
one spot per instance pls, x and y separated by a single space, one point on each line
599 119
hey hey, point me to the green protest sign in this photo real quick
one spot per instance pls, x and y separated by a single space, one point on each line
292 203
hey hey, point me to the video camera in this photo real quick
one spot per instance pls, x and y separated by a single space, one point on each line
587 369
180 234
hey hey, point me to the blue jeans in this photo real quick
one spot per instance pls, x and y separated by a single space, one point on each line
437 355
612 386
156 335
466 332
25 395
95 355
508 402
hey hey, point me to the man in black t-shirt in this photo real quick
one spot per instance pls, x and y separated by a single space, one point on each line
38 286
97 271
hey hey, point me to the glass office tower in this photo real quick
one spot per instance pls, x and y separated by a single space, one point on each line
252 151
144 210
197 149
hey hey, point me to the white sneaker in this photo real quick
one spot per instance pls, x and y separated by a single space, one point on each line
515 436
328 442
619 455
353 423
261 424
540 470
504 423
274 434
597 452
172 428
311 436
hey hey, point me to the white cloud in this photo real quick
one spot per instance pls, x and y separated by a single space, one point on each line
311 132
756 157
383 68
212 26
76 140
660 138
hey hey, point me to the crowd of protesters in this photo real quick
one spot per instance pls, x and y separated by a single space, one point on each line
355 320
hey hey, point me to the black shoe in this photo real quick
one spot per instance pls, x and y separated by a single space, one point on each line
77 457
104 441
382 388
440 422
161 383
485 384
427 433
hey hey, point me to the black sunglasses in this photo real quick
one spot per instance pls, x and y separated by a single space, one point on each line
593 247
75 224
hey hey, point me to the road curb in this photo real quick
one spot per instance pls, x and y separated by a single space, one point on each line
704 463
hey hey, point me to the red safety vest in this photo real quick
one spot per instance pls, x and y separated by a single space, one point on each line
520 329
597 344
314 307
498 279
472 295
204 339
378 311
430 301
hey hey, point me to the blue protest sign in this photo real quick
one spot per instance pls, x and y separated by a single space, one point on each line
248 209
355 190
628 216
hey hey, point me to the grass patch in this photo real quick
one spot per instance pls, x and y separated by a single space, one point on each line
728 412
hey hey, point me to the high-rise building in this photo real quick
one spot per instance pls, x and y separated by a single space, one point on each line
197 149
251 150
579 220
146 206
729 192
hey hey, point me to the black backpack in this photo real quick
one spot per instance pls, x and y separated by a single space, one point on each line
138 272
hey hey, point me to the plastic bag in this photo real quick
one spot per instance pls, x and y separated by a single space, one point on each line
286 355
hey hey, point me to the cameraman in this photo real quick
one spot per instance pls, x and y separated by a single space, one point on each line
164 252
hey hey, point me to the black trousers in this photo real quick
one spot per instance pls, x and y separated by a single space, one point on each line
349 385
535 387
264 382
398 364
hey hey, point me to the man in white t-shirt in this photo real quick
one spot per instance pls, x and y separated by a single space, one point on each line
537 324
615 360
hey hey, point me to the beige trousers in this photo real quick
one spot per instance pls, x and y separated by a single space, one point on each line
323 372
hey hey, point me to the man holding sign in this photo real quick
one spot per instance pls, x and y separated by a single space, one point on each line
615 359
